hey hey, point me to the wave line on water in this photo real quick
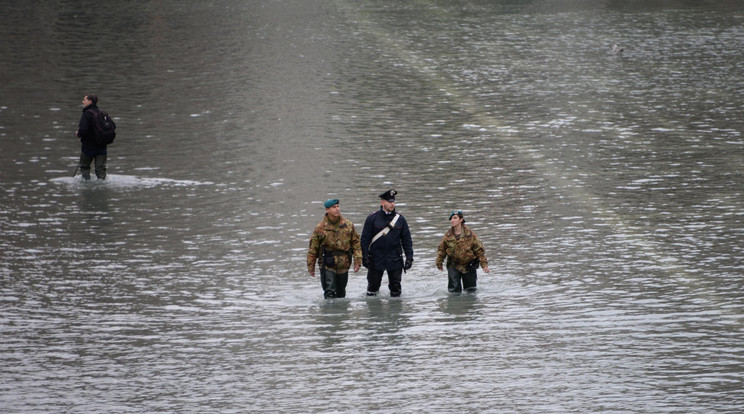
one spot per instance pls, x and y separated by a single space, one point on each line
128 181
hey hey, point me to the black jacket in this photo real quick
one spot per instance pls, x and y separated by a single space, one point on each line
385 253
86 131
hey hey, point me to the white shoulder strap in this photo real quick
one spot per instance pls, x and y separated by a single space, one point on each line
386 229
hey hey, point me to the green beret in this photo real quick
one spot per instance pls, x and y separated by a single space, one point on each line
330 203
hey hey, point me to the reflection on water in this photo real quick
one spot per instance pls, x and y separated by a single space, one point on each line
605 188
461 307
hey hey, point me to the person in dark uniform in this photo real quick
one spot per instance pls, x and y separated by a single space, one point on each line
385 239
91 150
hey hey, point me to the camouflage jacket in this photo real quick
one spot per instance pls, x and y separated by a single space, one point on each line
460 252
338 238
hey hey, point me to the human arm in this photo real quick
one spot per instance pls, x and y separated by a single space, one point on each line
84 126
441 254
313 252
480 253
366 238
407 243
356 248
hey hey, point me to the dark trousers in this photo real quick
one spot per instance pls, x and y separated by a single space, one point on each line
458 281
333 284
85 161
374 280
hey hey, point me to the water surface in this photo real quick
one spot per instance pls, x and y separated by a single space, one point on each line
607 190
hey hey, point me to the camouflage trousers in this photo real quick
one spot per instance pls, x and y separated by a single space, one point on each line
458 281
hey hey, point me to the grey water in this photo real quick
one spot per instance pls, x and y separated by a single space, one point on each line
607 190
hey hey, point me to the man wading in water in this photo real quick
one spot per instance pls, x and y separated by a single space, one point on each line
334 243
385 238
91 149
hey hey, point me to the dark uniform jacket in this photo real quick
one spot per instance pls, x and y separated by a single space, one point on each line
86 129
385 253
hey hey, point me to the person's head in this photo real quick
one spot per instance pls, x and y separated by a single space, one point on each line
456 218
90 99
332 208
387 200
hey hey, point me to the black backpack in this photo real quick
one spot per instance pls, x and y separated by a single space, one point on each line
104 128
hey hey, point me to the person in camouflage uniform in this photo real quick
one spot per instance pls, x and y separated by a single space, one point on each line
464 252
333 244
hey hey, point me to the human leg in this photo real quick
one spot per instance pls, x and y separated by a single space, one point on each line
341 280
470 281
453 284
328 283
101 166
374 280
394 279
323 281
84 164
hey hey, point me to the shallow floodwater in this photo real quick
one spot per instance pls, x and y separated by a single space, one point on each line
607 189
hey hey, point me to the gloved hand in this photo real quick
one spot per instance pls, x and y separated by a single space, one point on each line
365 262
407 265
